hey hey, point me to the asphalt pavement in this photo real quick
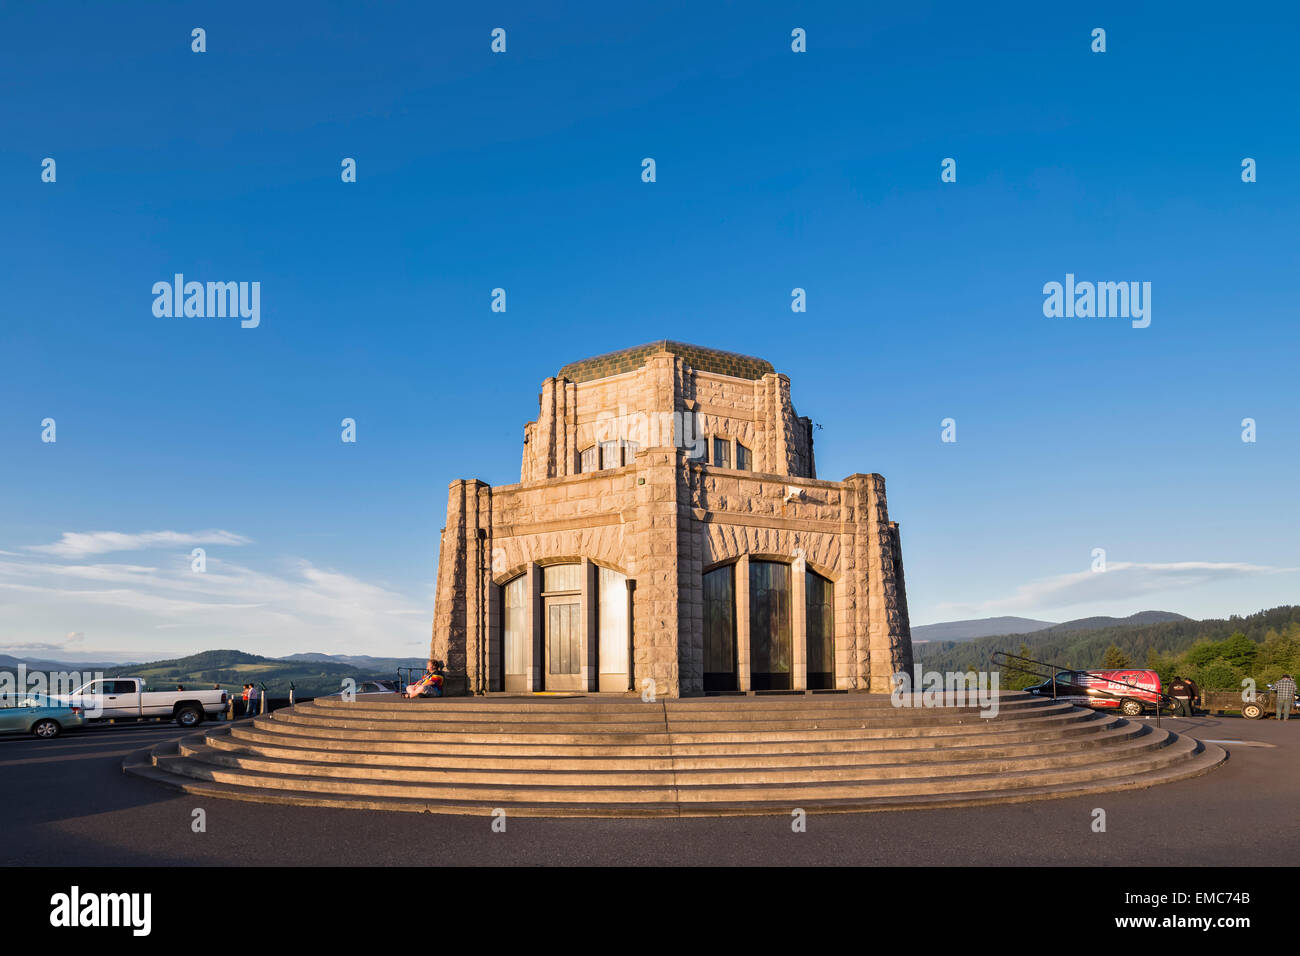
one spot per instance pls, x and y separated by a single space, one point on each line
66 802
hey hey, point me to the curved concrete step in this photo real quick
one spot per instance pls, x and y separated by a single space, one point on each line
1208 759
775 755
1080 723
497 706
580 756
655 788
900 725
671 772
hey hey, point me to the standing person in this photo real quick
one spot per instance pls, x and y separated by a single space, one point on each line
247 711
1195 688
253 693
1285 691
1180 689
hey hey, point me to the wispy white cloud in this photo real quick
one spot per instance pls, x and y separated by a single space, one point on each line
1120 582
81 544
166 606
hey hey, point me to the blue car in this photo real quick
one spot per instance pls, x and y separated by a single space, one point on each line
39 716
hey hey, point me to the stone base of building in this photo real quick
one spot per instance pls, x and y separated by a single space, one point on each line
672 758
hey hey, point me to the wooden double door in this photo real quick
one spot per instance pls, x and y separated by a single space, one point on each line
563 643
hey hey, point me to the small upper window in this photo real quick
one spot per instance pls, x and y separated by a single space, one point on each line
589 460
721 453
744 458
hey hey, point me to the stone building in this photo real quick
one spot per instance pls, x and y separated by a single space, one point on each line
669 524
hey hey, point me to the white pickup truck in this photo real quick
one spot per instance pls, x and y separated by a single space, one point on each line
116 698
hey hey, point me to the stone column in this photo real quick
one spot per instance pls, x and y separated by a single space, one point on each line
450 612
743 660
549 452
690 596
845 662
852 603
657 626
567 433
478 559
589 626
890 646
536 628
495 635
799 625
905 658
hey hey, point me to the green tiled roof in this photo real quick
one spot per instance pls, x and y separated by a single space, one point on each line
696 356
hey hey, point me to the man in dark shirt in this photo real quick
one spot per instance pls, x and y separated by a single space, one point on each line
1183 692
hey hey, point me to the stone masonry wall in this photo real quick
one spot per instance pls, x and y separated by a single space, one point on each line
663 520
651 404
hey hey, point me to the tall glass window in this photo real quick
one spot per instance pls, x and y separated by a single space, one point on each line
611 597
609 454
590 460
769 626
720 629
514 624
820 601
722 452
744 458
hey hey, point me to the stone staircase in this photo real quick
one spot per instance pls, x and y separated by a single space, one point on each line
595 756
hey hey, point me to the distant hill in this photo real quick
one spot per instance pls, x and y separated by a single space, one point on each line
979 627
956 631
358 660
232 669
9 662
1097 623
1069 645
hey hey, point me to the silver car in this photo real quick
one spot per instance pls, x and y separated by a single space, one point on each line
39 716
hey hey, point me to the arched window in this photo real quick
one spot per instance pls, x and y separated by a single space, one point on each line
769 626
611 601
819 599
720 629
515 633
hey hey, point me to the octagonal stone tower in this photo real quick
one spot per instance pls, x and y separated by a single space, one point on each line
668 524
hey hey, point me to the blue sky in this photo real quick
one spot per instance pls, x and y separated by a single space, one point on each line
521 170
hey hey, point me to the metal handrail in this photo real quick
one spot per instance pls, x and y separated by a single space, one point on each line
1010 660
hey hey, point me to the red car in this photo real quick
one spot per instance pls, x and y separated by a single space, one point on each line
1131 690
